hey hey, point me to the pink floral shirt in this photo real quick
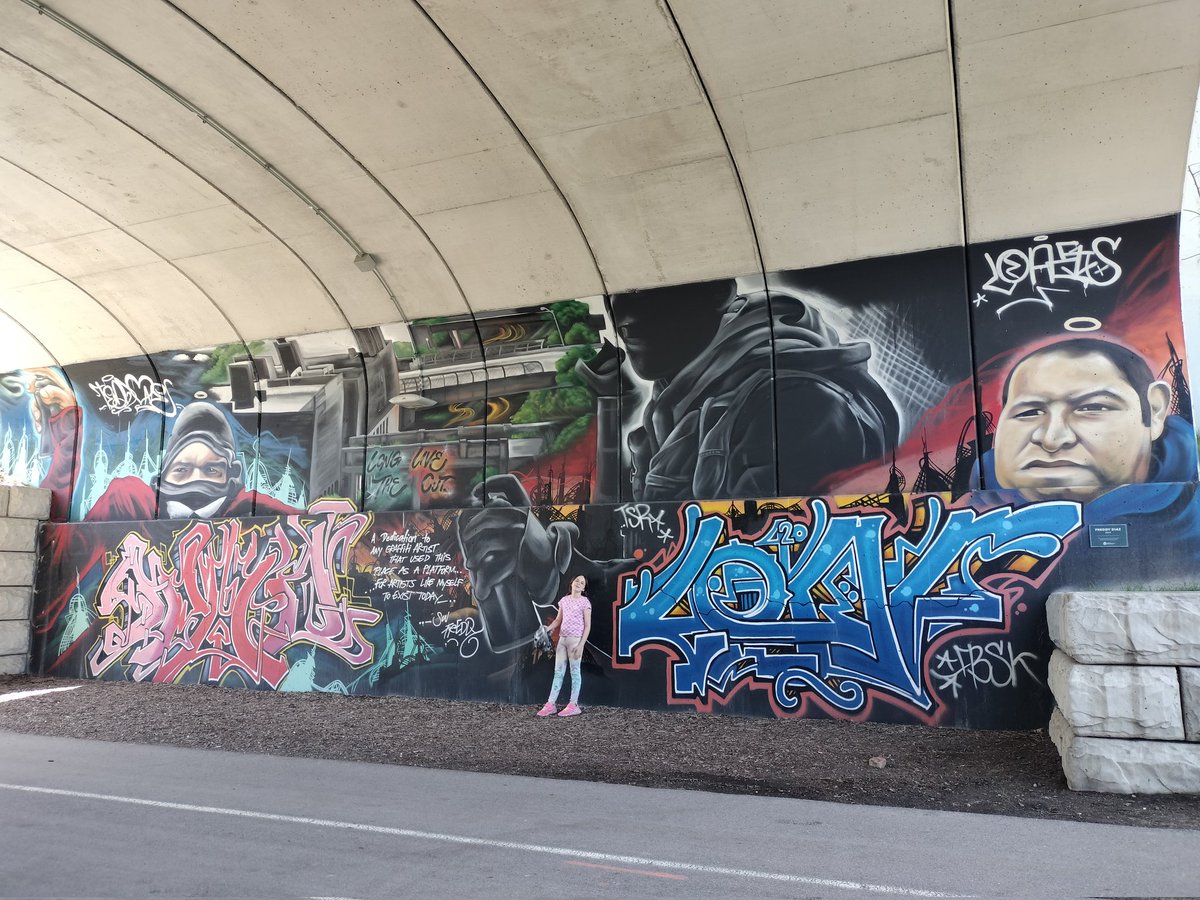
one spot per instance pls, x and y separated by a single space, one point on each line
572 613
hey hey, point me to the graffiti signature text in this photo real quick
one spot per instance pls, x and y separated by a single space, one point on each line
1046 267
990 664
134 393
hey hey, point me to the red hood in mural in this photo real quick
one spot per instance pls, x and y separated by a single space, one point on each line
200 478
201 473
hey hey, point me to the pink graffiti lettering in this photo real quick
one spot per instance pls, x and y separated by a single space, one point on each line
234 600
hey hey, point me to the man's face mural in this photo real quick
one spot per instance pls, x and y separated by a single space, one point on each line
1073 427
514 561
201 471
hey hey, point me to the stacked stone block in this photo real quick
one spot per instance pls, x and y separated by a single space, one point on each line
1126 685
22 510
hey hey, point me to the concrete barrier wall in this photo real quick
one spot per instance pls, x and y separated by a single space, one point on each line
1126 684
22 510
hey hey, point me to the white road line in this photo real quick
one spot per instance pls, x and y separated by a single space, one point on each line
485 842
17 695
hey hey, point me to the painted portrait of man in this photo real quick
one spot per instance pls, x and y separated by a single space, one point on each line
1082 417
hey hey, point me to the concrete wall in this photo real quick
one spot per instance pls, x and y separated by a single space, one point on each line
877 376
842 491
1126 683
22 510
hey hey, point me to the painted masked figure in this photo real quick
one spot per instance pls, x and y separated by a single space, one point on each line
201 474
514 561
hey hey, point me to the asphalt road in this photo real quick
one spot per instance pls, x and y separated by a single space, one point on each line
93 819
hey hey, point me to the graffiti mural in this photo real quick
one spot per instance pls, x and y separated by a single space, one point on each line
808 607
835 492
828 606
229 598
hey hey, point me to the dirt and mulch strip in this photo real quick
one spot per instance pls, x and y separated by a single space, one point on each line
1014 773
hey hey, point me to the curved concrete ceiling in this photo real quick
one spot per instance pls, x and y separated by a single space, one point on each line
181 174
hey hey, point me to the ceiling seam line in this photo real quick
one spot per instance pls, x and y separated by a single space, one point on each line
387 192
1120 81
216 125
1066 22
840 72
524 140
303 262
120 228
980 420
57 274
37 340
737 174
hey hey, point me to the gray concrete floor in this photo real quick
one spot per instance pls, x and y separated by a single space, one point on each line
93 819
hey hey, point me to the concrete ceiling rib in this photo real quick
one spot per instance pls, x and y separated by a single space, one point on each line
415 117
22 344
88 61
72 320
841 119
724 139
521 135
383 189
231 270
181 312
1078 111
609 104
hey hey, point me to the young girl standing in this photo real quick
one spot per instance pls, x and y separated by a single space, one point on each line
574 620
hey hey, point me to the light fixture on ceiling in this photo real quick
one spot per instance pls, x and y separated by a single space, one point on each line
366 262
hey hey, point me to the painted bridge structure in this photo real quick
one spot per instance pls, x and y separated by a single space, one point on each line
824 339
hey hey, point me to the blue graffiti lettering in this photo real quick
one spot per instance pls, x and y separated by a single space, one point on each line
832 606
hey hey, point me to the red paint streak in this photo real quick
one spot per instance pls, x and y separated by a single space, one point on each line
587 865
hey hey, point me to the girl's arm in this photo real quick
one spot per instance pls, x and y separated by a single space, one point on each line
557 621
587 624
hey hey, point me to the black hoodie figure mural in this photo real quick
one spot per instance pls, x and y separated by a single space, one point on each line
708 429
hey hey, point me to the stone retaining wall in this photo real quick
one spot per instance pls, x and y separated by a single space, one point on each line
22 510
1126 685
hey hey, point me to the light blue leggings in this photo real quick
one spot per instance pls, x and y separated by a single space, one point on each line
566 643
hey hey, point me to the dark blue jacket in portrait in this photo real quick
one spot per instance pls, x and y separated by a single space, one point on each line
1162 515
